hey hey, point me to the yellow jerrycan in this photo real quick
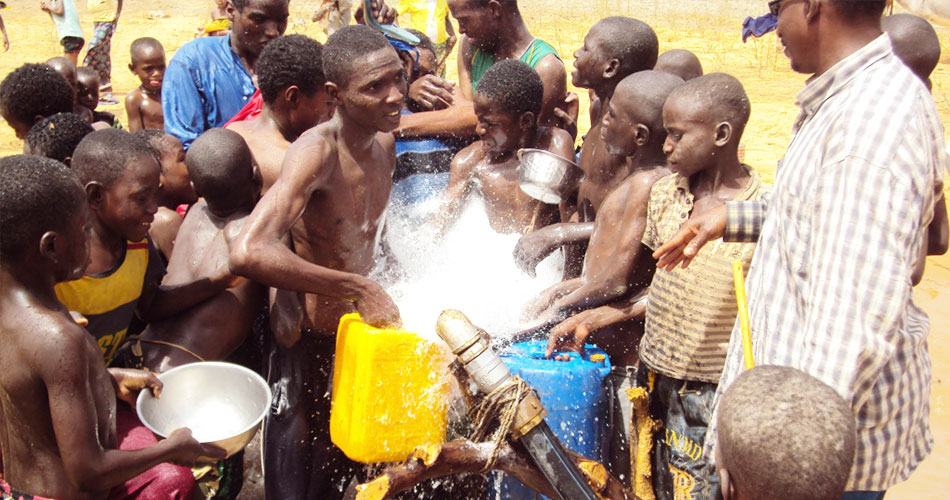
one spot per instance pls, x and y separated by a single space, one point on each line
390 392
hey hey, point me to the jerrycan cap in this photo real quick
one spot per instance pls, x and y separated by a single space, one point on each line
597 358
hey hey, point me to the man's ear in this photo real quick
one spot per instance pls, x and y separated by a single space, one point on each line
613 67
527 120
495 7
292 95
812 8
333 92
723 133
48 244
95 194
641 135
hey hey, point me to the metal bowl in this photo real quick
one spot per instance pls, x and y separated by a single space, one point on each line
222 403
546 176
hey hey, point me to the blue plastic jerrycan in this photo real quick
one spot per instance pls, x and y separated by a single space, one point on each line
574 394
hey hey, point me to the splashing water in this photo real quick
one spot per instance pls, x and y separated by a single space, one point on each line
471 269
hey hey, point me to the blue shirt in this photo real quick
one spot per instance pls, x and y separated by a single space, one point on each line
204 86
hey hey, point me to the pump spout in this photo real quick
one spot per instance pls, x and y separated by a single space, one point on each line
473 348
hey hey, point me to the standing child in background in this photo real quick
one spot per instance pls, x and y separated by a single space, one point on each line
144 104
87 96
66 18
99 57
333 14
432 18
219 25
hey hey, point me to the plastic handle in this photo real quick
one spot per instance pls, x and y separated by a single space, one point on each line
739 280
387 29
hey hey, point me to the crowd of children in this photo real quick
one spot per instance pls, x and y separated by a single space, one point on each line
260 190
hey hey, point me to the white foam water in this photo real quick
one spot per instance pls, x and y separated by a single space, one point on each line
470 269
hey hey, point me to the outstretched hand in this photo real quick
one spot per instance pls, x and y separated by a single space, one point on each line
128 383
572 333
685 244
383 13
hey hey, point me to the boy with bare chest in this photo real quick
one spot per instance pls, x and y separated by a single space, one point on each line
330 198
58 400
507 104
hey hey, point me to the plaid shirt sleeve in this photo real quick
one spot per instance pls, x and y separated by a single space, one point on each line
744 219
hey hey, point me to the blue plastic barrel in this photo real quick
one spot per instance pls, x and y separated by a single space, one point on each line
574 394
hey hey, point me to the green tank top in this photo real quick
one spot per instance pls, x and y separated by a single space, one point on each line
482 60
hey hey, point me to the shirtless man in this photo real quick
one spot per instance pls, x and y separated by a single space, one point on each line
507 102
290 78
223 173
58 400
330 197
613 49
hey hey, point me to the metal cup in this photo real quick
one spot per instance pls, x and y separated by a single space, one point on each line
546 176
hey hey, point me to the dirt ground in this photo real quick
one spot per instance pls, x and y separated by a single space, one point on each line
710 28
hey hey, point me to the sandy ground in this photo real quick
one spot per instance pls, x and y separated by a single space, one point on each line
710 28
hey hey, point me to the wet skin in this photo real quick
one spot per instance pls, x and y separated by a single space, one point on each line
331 198
255 25
144 104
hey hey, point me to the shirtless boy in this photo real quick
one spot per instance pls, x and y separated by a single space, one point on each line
144 104
223 173
175 188
58 400
613 49
330 197
87 96
68 70
32 92
292 85
507 103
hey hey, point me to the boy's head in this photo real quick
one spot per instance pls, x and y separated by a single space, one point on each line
87 87
480 20
783 435
290 76
915 43
704 119
614 48
44 217
507 103
66 68
365 77
32 92
147 62
681 63
223 172
255 23
634 116
121 178
57 136
175 185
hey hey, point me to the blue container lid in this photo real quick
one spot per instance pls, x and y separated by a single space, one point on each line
562 385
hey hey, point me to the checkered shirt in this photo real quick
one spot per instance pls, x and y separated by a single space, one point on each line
830 283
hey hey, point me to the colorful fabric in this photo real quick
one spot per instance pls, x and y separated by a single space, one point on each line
482 60
102 11
250 111
72 44
205 85
99 57
163 481
830 285
686 338
8 492
759 26
68 23
427 16
108 300
217 24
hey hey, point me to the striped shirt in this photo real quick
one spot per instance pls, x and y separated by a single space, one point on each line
691 311
830 284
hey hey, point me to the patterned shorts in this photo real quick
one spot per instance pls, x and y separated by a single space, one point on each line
7 492
72 44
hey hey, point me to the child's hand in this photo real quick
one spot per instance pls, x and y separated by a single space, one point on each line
532 248
186 450
568 112
128 383
432 92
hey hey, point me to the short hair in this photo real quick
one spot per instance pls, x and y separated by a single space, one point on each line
514 86
37 194
34 90
784 434
290 60
57 136
143 43
217 160
104 155
239 4
158 141
347 45
86 71
860 8
681 63
651 89
915 42
631 41
722 96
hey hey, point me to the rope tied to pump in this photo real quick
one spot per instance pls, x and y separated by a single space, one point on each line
502 403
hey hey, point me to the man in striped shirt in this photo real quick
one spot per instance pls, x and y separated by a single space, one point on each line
830 284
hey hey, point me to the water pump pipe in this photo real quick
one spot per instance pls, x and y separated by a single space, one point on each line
472 347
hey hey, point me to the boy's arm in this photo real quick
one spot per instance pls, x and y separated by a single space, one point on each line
74 417
449 42
261 255
571 334
163 301
458 120
460 182
466 52
554 77
535 246
134 112
182 103
52 6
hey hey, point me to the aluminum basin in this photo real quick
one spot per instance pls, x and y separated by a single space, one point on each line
546 176
222 403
